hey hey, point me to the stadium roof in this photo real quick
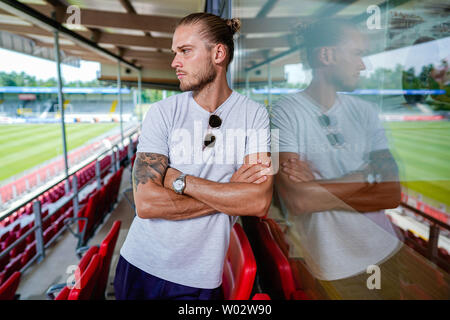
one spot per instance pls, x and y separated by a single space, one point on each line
139 32
67 90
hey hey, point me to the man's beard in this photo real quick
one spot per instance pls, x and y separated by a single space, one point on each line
202 79
345 83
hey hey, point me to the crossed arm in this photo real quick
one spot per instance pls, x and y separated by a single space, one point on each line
303 193
248 193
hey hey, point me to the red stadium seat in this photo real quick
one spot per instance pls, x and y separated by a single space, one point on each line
13 266
19 248
4 261
48 234
239 267
5 244
68 213
63 294
274 267
29 253
4 236
89 212
106 252
261 296
9 288
87 258
84 287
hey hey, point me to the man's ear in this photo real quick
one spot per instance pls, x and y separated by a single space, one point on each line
327 55
220 53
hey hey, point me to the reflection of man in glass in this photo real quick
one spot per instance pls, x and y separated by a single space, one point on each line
336 172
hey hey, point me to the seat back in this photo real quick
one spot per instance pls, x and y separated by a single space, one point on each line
86 259
273 265
63 294
239 267
89 213
84 287
8 289
106 252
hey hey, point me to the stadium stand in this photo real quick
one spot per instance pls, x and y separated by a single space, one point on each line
18 234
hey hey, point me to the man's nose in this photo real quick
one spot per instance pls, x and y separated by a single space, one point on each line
362 65
176 62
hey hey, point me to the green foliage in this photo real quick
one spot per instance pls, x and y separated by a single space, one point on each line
154 95
15 79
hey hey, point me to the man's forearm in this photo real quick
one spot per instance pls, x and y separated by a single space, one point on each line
163 203
231 198
316 196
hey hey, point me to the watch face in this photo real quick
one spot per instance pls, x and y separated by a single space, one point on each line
178 184
370 178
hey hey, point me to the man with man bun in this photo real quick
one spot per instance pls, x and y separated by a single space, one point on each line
203 159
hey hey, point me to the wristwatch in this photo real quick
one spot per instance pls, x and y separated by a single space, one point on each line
179 184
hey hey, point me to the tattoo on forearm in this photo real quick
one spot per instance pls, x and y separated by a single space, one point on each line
149 166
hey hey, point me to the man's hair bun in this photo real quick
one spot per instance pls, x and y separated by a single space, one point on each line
234 24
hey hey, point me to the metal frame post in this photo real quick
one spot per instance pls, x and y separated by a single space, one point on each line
433 239
76 206
119 85
39 233
113 160
247 83
140 94
117 158
61 105
98 174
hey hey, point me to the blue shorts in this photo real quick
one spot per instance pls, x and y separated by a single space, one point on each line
131 283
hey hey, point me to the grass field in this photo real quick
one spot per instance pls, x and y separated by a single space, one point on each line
422 151
24 146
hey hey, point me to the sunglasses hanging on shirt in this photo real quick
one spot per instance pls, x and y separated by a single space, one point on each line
335 139
214 122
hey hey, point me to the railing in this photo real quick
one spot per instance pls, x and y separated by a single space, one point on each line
433 238
69 196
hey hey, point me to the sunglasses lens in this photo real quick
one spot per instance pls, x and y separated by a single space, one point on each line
339 138
209 140
332 139
324 120
215 121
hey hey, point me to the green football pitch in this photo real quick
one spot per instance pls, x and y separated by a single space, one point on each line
24 146
422 151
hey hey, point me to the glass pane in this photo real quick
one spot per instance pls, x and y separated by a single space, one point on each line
369 183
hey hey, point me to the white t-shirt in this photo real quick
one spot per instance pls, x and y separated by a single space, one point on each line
191 252
336 244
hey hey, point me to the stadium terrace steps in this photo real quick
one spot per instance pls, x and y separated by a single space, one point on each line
59 257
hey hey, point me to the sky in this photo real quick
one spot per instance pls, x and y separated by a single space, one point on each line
44 69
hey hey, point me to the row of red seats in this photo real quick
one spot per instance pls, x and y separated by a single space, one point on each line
22 253
277 275
99 203
92 279
239 269
58 191
421 246
50 196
